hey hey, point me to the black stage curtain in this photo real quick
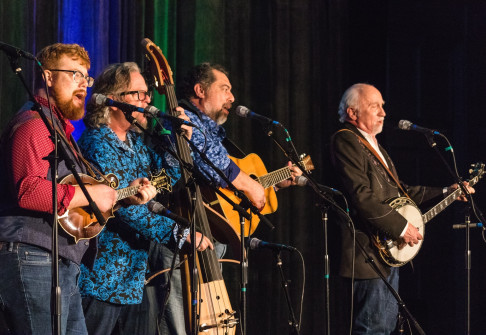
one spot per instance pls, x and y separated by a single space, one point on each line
291 61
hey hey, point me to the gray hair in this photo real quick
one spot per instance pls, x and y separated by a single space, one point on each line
350 99
113 80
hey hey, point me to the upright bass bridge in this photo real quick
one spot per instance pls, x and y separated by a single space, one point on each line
226 320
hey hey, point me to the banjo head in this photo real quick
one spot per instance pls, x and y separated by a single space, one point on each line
389 250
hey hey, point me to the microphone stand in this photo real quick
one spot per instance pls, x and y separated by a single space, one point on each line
467 221
327 271
192 229
294 325
403 314
53 159
241 209
292 155
479 215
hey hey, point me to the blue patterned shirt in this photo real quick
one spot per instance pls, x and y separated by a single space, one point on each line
119 270
208 137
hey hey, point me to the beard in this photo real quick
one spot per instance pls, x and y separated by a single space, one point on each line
220 117
68 108
217 115
378 128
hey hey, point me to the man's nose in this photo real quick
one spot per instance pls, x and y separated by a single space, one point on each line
83 83
382 111
231 97
147 100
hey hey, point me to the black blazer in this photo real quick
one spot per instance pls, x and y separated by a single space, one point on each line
367 186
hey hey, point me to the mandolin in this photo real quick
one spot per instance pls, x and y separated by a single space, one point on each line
82 224
211 312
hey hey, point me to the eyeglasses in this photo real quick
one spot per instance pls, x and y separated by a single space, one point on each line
77 76
141 95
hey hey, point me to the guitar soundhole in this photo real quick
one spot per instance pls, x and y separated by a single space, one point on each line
218 297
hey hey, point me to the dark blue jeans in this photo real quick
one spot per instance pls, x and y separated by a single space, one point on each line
104 318
173 321
25 291
375 308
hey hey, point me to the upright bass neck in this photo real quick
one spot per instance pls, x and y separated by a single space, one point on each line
217 316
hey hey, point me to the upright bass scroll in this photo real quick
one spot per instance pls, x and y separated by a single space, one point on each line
211 312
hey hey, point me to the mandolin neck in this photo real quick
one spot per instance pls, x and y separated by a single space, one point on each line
127 192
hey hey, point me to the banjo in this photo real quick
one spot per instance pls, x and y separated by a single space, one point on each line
388 248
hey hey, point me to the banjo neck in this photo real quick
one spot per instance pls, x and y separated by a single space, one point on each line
431 213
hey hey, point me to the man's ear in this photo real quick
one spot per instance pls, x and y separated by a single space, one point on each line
352 113
199 91
48 77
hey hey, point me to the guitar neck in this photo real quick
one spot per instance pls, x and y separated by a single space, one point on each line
275 177
445 202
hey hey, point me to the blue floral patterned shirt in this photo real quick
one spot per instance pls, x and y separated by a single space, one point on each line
208 137
119 270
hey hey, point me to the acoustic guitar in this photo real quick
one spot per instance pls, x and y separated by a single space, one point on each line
82 224
253 165
388 248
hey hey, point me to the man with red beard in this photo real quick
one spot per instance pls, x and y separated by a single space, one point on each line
26 198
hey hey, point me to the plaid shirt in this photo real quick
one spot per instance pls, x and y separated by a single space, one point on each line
29 146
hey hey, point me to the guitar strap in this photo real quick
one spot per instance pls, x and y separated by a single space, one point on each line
373 151
232 148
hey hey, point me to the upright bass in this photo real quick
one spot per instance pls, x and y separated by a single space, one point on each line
211 312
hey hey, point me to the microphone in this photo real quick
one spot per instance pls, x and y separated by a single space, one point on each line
155 112
254 244
407 125
471 225
245 112
103 100
16 52
158 208
303 181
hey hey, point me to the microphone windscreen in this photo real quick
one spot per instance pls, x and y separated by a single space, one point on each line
152 110
301 180
404 124
154 206
242 111
99 98
253 243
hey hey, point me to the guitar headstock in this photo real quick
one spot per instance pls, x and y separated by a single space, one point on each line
476 172
306 163
159 67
